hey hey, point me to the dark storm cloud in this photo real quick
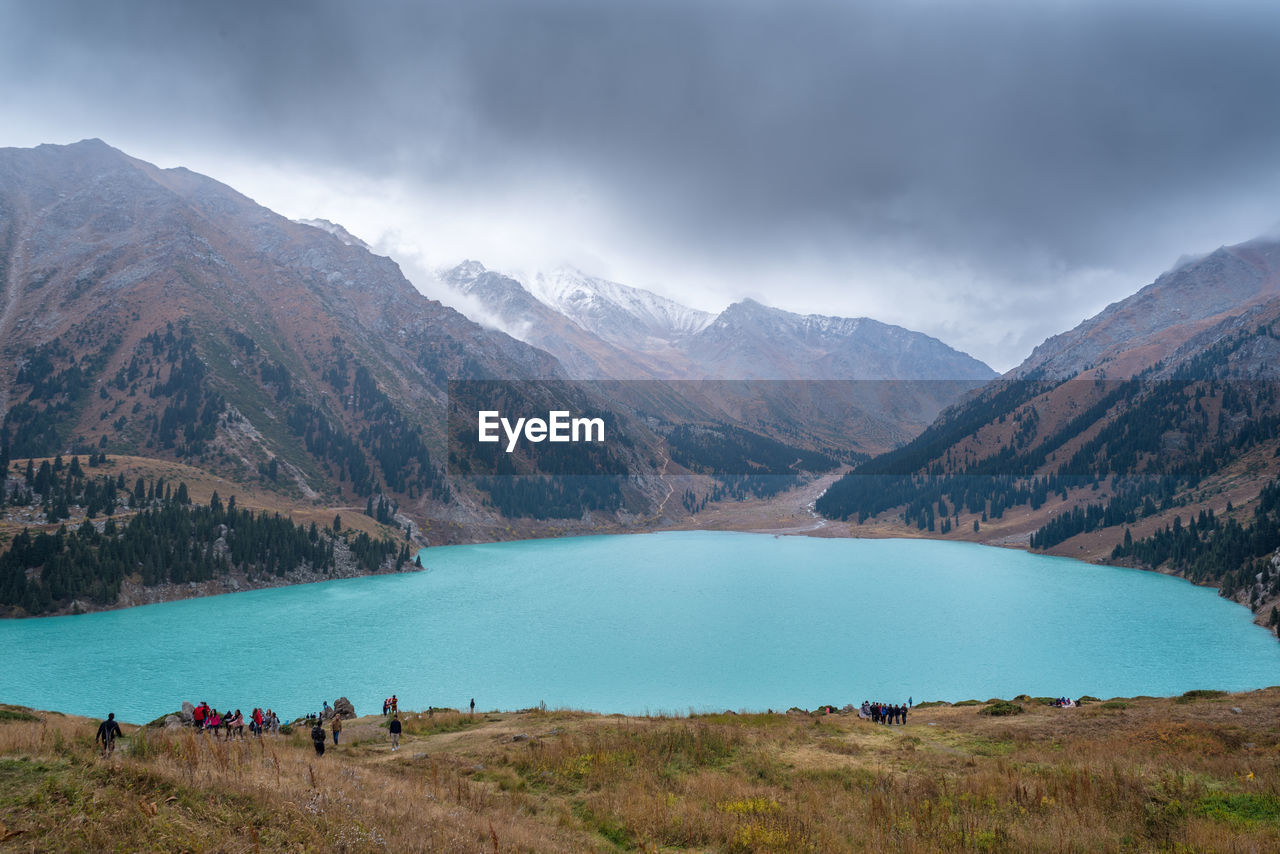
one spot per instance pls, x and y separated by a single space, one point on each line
1020 140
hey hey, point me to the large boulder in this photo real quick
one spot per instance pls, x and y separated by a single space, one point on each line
342 708
188 713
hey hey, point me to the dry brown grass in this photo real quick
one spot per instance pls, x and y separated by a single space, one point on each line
1156 775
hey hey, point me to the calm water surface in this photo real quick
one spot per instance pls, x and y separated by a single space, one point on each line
658 623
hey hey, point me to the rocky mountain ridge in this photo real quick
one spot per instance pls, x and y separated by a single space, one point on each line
157 311
1195 296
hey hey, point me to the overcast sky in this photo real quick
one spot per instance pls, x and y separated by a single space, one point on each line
987 172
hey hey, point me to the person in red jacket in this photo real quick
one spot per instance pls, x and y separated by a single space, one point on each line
197 717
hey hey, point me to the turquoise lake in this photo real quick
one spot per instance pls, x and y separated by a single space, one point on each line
667 622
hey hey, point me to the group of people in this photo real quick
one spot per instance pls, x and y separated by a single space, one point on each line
335 726
317 728
884 713
227 724
390 706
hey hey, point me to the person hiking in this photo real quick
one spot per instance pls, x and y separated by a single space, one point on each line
337 727
107 732
197 717
394 727
473 707
317 737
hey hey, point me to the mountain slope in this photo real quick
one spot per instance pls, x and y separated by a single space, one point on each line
1163 408
160 312
1194 296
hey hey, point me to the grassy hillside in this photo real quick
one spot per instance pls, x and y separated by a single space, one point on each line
1194 773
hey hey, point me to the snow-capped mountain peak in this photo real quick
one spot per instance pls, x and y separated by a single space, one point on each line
469 270
614 311
336 230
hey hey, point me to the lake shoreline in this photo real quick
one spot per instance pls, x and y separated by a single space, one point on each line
134 594
790 514
674 621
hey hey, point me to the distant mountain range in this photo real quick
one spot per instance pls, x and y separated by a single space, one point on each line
846 382
658 338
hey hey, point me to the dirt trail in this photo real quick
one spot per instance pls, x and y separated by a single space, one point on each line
671 490
800 502
791 512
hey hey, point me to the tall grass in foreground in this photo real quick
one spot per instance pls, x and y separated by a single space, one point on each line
1158 775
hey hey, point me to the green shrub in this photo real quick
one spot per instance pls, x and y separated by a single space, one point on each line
1245 808
1001 708
16 713
159 722
1199 694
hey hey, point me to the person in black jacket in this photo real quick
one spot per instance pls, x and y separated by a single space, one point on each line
107 732
317 737
394 727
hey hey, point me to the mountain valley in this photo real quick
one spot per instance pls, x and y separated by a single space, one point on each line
154 319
